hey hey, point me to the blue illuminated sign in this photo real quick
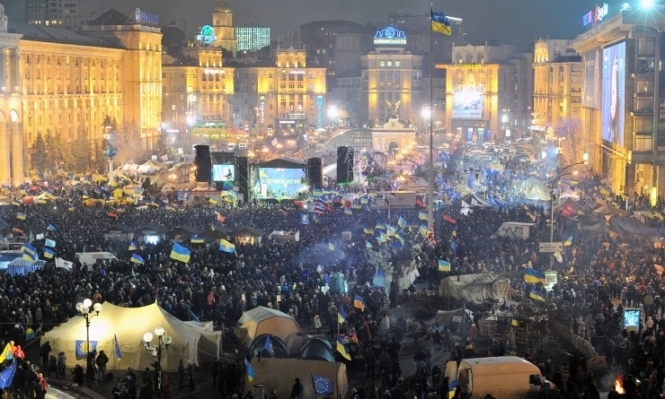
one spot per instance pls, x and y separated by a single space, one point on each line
144 17
593 17
206 35
390 36
319 112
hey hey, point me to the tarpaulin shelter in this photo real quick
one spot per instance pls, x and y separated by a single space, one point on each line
475 202
609 210
262 320
533 189
475 288
628 226
279 374
191 341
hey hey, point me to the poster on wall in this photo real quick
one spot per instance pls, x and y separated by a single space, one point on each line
467 103
614 87
591 84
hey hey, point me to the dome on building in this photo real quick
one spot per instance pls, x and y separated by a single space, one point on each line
222 7
356 138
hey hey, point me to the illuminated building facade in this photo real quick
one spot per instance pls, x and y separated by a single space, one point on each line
392 80
222 25
288 97
55 80
488 92
11 129
622 99
57 13
252 39
197 92
557 85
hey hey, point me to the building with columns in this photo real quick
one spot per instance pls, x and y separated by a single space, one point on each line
66 83
11 132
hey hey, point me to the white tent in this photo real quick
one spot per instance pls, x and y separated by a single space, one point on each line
192 341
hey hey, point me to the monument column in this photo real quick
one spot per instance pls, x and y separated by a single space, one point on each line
5 160
17 153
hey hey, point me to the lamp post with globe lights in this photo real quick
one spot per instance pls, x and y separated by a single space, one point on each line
163 341
86 309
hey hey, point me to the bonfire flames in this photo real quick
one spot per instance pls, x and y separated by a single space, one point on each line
618 386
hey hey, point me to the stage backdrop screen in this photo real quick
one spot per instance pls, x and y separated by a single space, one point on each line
223 172
280 182
614 87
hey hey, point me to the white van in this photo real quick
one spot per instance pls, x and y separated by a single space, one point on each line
89 258
231 146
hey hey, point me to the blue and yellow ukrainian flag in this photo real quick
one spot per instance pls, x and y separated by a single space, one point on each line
197 240
341 316
568 242
440 23
368 231
28 248
49 253
401 222
533 276
536 295
50 227
251 374
341 348
20 216
226 246
423 216
180 253
423 230
136 258
132 246
359 303
444 266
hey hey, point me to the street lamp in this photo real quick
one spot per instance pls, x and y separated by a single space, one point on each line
585 160
163 341
84 309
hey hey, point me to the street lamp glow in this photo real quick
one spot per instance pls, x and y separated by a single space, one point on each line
87 302
585 157
159 331
426 113
332 112
646 4
147 337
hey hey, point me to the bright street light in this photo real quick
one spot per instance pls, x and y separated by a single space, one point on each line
426 113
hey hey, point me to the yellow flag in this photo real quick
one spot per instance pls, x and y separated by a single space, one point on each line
8 349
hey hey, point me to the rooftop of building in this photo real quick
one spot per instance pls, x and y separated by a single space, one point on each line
567 58
110 17
49 34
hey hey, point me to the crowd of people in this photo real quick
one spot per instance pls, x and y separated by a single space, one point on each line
599 276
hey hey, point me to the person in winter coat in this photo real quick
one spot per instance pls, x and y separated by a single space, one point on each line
78 375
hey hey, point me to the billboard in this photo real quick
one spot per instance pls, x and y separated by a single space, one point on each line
467 103
591 84
223 172
280 182
614 87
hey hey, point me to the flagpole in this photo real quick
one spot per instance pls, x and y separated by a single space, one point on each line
430 188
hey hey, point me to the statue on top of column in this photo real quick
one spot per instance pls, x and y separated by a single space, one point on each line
4 22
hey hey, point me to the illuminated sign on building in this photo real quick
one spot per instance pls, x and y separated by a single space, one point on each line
206 35
144 17
390 36
596 15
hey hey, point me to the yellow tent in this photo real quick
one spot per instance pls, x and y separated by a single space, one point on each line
193 341
262 320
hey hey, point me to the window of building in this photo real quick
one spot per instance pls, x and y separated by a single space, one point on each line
382 64
398 64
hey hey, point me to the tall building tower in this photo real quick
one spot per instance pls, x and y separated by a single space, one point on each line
222 25
60 13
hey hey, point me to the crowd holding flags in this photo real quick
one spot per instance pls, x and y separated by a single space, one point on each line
226 246
532 276
359 303
136 258
341 348
444 266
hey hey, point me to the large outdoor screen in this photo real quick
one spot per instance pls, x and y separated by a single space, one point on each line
467 103
614 87
280 182
591 85
223 172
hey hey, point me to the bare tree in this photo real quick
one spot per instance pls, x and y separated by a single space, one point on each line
574 140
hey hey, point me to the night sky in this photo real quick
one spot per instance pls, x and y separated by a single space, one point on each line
504 20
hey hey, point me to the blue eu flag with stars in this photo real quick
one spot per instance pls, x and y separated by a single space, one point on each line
322 385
